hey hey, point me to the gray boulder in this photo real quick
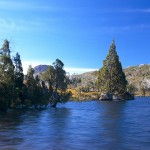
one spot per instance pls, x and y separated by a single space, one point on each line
105 96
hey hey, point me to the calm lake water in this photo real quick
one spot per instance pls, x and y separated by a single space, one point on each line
92 125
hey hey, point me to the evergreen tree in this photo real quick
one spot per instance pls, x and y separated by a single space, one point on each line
111 76
39 93
5 48
34 89
19 77
60 76
60 84
55 77
31 87
7 84
49 77
103 78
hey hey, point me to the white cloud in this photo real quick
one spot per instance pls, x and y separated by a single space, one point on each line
71 70
79 70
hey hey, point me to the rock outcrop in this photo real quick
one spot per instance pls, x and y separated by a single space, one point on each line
109 96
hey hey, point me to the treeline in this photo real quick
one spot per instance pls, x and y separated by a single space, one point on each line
28 91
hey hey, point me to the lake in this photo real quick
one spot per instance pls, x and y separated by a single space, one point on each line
91 125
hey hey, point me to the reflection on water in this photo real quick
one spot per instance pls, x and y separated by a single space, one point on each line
79 125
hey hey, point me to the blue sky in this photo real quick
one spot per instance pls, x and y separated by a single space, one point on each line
78 32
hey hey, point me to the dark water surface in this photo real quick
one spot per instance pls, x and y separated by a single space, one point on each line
91 125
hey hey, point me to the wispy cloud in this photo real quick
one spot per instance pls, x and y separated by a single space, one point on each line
11 24
122 29
8 24
26 5
124 10
136 10
36 5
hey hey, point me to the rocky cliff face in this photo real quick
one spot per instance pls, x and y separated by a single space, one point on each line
87 78
138 75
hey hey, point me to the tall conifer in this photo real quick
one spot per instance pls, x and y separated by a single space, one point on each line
7 86
111 76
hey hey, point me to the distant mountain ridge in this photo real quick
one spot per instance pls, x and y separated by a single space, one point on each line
40 68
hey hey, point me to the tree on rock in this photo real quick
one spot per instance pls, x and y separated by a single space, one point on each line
111 77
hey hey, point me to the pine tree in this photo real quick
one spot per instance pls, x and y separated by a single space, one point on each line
111 76
19 77
103 78
31 86
55 77
7 84
5 48
60 75
34 89
49 77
